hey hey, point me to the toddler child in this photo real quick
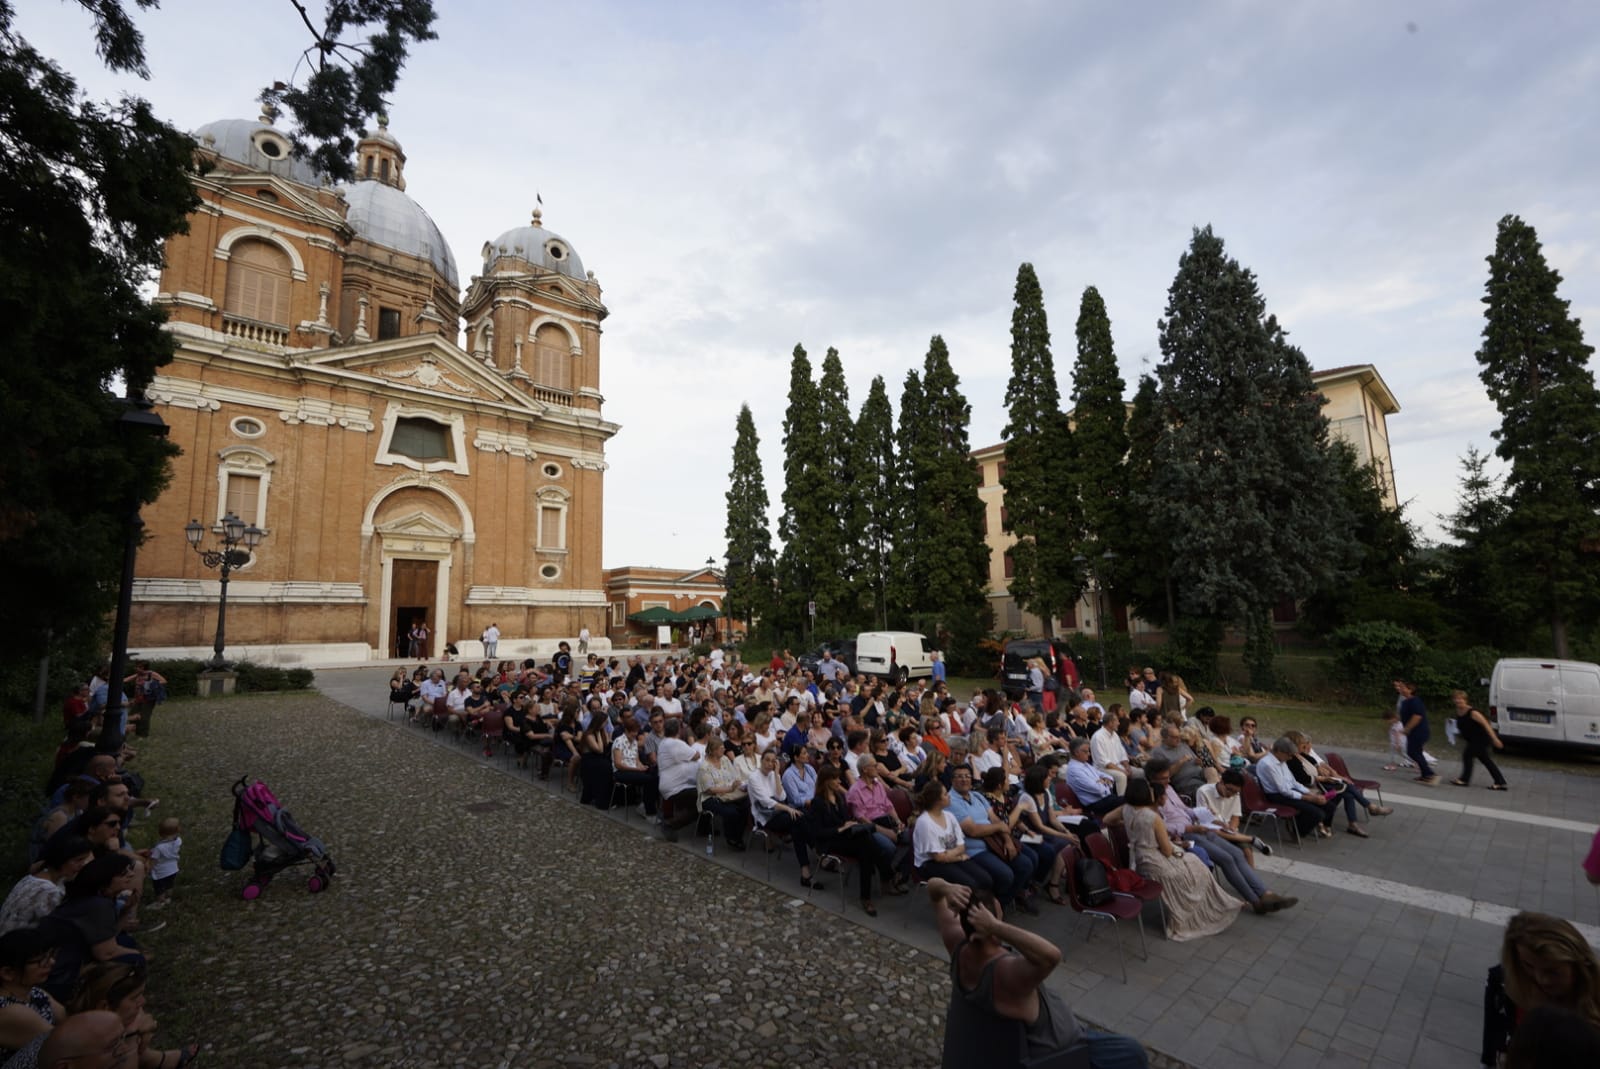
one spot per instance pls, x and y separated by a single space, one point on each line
164 858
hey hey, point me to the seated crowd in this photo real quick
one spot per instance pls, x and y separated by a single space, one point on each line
907 782
72 968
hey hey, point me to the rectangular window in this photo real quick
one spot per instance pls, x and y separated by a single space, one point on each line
420 439
1069 622
244 497
1002 471
551 536
1005 518
986 523
1011 566
980 474
551 365
619 613
388 323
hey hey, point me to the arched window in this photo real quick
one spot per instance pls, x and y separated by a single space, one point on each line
552 365
259 274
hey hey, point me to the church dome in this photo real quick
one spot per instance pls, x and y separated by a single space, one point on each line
259 145
538 246
385 216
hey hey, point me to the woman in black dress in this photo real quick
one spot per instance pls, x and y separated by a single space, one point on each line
1479 735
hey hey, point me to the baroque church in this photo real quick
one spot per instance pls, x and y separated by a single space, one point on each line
322 391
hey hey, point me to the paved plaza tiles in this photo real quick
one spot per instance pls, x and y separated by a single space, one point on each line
1381 965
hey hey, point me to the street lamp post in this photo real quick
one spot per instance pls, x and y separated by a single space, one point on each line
235 533
1088 566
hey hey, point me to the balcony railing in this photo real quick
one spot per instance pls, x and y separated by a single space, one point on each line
254 332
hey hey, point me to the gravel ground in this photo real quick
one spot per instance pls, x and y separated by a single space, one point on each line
477 920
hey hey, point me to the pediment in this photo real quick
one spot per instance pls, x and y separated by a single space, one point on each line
417 524
291 196
428 365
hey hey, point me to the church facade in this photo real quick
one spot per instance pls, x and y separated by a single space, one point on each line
323 390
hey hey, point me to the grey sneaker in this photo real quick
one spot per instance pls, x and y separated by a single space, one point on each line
1260 844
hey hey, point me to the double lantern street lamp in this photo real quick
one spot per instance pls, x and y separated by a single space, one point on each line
1088 566
235 534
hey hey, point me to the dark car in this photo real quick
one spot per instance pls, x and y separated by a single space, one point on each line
1058 658
843 650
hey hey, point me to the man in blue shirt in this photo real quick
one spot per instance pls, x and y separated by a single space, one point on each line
795 738
971 810
1313 809
1092 786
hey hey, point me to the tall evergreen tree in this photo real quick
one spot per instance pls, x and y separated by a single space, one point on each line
951 552
1141 572
748 537
1244 483
807 512
1535 364
1100 440
1042 509
875 478
837 563
907 571
1476 582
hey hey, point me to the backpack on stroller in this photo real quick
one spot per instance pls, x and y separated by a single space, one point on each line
280 842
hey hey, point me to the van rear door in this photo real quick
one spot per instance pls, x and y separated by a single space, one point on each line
1527 701
1580 703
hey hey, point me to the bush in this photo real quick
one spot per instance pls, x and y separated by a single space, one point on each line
265 677
183 677
1368 657
1441 671
1191 652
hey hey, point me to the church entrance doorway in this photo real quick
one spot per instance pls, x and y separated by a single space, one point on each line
413 587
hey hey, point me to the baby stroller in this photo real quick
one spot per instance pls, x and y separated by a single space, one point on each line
280 842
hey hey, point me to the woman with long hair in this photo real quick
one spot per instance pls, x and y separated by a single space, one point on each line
836 831
1544 962
1194 906
938 847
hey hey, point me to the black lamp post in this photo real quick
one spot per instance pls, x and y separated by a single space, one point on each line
137 418
1099 614
235 533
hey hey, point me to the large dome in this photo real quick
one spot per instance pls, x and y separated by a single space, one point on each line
385 216
259 145
540 247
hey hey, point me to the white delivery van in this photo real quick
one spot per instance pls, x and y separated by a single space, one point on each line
1553 702
893 655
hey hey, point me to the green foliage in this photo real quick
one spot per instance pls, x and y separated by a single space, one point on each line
1100 437
1535 365
875 488
1368 657
1259 646
88 194
183 677
749 540
1041 505
906 571
263 677
348 79
806 524
838 567
1191 651
1244 484
1473 581
1140 573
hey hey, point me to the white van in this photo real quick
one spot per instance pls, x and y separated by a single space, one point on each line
1554 702
894 655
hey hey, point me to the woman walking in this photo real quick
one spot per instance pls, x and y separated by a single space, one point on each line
1479 735
1414 721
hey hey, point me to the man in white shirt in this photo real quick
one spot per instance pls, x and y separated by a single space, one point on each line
583 640
1110 756
679 765
1087 700
491 641
1222 800
668 703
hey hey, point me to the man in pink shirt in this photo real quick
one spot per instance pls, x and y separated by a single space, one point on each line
869 800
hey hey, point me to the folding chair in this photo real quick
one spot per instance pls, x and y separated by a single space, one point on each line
1101 850
1120 907
1258 808
1336 762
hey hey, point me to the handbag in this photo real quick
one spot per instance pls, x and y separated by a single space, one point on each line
236 850
1002 845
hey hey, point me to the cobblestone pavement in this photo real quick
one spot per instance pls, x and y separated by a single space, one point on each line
478 920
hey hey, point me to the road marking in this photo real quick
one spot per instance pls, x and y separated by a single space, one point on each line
1493 814
1404 893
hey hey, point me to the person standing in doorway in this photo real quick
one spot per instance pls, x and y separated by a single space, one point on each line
1479 735
419 639
1414 720
491 641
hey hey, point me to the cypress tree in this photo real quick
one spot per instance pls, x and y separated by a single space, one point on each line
1099 437
1042 510
951 553
1476 580
1141 573
874 481
1535 364
1244 482
806 517
907 577
837 564
746 532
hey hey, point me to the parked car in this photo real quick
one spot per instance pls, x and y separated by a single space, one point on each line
1551 702
843 650
1059 661
894 655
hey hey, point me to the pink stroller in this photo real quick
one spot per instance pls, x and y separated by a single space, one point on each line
280 842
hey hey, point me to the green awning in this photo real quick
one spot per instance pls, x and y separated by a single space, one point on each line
657 614
701 612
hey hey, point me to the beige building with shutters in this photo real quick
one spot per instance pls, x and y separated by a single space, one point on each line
412 452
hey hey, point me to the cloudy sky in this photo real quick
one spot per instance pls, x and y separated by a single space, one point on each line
745 176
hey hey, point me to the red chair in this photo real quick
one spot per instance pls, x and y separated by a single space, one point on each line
1336 763
1065 795
902 804
1256 807
1119 842
1121 907
1101 849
